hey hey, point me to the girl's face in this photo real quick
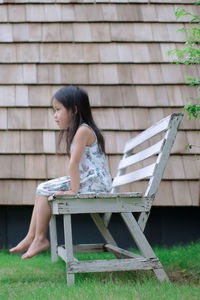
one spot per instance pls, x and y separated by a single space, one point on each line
62 116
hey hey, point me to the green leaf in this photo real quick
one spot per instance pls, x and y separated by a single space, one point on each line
188 79
179 12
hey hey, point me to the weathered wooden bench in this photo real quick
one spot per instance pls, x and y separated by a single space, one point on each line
124 203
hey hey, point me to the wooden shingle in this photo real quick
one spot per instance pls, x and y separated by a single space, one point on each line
110 96
128 12
6 33
7 95
140 53
35 12
10 142
94 13
28 192
20 32
49 142
128 96
5 170
72 73
22 95
108 53
50 32
29 73
66 32
39 118
142 32
175 95
3 13
82 32
68 12
182 193
124 74
167 16
107 118
165 195
161 96
68 53
8 53
31 142
100 32
40 95
3 118
57 165
35 32
52 13
80 12
19 118
12 166
195 192
35 166
16 13
140 74
125 114
192 139
11 192
125 52
174 168
191 165
110 12
148 12
11 74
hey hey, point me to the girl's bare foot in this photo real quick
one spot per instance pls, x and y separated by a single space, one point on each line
23 245
36 247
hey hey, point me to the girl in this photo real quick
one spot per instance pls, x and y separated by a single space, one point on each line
87 170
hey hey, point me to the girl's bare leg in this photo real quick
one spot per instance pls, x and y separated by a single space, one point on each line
26 242
43 214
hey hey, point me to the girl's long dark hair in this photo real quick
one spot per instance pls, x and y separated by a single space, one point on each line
72 97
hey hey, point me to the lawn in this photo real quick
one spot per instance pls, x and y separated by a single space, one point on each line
38 278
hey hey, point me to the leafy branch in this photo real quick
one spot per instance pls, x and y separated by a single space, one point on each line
189 54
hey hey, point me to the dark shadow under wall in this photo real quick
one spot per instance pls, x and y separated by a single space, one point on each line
167 226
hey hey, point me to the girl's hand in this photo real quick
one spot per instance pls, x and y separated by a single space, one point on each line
64 193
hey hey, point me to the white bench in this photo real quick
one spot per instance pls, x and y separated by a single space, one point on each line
124 203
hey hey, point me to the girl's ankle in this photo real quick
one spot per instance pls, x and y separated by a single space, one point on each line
30 236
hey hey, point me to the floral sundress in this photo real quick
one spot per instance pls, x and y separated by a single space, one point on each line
94 175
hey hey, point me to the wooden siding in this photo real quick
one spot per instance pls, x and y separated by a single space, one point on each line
116 50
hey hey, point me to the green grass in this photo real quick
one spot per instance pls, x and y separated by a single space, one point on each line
38 278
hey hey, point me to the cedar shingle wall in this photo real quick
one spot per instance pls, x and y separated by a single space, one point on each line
117 51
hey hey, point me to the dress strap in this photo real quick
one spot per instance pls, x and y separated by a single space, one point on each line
90 128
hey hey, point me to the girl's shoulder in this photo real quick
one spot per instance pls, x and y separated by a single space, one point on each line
85 124
89 132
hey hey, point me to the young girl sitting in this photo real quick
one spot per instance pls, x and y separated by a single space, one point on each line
86 172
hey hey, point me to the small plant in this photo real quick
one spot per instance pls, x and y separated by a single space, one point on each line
190 54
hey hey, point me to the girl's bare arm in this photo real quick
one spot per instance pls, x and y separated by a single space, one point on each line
80 142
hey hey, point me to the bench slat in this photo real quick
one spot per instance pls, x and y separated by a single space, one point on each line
134 176
147 134
95 205
125 264
144 154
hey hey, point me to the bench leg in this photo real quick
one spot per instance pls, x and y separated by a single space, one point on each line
68 247
143 244
142 220
102 228
53 238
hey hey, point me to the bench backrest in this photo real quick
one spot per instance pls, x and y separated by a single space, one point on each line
159 151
